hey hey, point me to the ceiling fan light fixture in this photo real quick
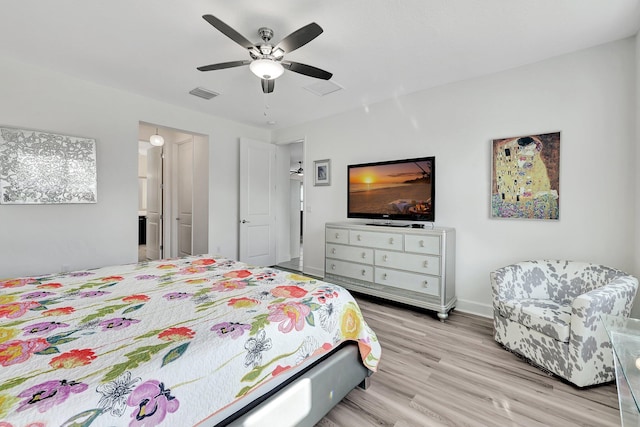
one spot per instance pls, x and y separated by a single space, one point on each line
266 58
156 140
266 69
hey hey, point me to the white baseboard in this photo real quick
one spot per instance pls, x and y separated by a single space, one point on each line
471 307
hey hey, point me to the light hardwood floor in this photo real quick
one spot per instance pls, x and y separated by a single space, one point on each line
455 374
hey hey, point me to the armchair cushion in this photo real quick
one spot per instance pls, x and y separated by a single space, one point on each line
542 315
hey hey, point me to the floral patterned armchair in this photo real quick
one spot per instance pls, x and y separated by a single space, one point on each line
549 312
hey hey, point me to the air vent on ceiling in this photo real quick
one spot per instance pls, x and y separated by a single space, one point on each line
203 93
323 87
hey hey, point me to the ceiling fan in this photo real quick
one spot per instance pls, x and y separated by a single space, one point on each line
299 171
267 61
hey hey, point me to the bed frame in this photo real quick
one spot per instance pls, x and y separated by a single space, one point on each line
306 397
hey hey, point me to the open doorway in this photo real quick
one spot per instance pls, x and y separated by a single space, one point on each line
149 201
296 207
173 193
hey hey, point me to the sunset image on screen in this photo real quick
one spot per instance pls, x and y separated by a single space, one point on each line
397 188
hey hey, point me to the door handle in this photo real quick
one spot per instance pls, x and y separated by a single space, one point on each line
244 221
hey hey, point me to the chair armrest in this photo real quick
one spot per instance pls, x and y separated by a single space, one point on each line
615 298
495 287
501 289
590 355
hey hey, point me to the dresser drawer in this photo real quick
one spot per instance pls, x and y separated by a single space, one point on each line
402 261
336 235
374 239
425 284
350 253
422 244
347 269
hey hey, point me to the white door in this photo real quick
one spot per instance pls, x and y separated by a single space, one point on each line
185 198
257 202
154 203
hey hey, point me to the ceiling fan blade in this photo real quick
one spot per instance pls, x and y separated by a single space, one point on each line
307 70
228 31
299 37
268 85
223 65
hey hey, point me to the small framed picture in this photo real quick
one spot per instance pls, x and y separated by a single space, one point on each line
322 172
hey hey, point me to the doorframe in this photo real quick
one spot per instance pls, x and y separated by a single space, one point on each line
169 192
157 153
282 219
173 252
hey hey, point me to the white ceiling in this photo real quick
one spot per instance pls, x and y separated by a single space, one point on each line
376 49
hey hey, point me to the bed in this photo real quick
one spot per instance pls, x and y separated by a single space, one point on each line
199 340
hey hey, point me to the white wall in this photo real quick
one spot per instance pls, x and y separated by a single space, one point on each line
590 96
38 239
636 311
587 95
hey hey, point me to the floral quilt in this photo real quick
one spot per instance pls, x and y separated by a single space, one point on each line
166 342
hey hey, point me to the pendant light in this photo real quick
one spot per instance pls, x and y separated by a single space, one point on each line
156 140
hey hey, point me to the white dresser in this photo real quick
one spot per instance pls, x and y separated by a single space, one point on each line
414 266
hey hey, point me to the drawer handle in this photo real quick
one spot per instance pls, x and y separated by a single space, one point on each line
358 237
426 263
333 266
425 284
384 258
422 243
391 240
333 250
364 255
364 272
337 235
384 276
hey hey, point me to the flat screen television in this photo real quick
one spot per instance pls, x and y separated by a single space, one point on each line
392 190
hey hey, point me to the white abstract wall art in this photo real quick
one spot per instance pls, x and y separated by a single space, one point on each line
46 168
